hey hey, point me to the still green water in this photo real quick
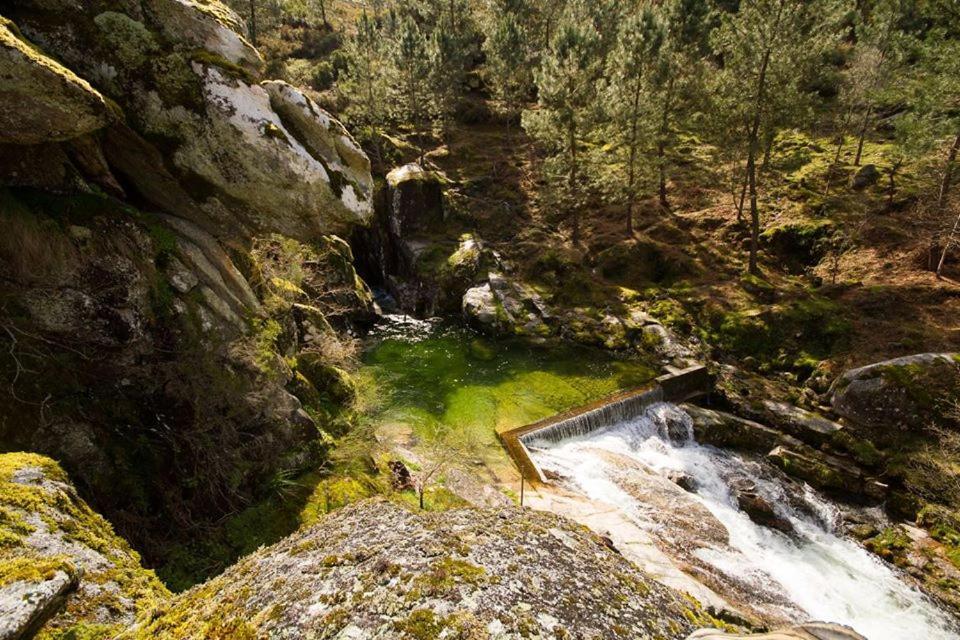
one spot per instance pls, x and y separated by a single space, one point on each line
428 375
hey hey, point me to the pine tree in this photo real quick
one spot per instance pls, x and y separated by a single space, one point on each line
767 48
410 92
686 23
567 81
508 63
364 80
634 66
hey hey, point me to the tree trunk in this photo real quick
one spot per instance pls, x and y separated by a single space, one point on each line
743 198
767 151
942 200
662 144
893 181
862 136
752 150
420 492
948 174
323 12
631 193
572 180
253 22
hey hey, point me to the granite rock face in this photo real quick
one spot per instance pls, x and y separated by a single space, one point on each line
379 570
52 103
144 161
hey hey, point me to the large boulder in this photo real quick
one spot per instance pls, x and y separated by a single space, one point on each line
377 569
300 178
137 312
237 157
207 25
908 393
62 568
44 101
415 200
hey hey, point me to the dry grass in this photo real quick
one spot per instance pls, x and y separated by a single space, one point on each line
34 251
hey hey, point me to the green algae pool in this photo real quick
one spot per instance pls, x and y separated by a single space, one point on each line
421 377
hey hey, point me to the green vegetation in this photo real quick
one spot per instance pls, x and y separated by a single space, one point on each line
478 388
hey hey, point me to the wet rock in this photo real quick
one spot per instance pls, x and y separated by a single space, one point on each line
809 427
820 470
415 200
760 510
906 393
809 631
726 430
480 306
51 102
683 480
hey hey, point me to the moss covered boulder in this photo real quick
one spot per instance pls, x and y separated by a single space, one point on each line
63 571
379 570
909 393
51 102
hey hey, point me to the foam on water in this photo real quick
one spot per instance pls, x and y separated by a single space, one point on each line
823 574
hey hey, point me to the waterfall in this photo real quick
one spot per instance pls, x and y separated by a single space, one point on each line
811 572
586 422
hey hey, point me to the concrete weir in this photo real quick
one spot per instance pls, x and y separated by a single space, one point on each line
676 386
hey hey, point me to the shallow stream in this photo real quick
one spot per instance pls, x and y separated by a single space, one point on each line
814 573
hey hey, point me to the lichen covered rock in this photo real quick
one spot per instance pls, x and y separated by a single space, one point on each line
296 182
62 568
379 570
908 393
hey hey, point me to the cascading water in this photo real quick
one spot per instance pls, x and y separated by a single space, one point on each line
812 573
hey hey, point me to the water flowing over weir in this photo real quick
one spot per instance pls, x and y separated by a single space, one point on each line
612 412
811 573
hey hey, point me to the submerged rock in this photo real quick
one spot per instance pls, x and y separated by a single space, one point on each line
379 570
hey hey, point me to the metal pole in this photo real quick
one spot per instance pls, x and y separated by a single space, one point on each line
522 483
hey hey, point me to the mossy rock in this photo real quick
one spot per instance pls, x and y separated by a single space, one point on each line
799 244
327 378
46 528
52 102
906 394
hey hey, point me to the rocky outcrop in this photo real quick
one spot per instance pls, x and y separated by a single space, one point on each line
725 430
151 344
408 254
379 570
52 103
809 631
62 568
416 201
908 393
833 473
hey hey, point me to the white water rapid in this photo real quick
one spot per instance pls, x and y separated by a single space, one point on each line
812 574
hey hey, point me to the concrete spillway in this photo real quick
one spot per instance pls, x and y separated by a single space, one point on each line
678 386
